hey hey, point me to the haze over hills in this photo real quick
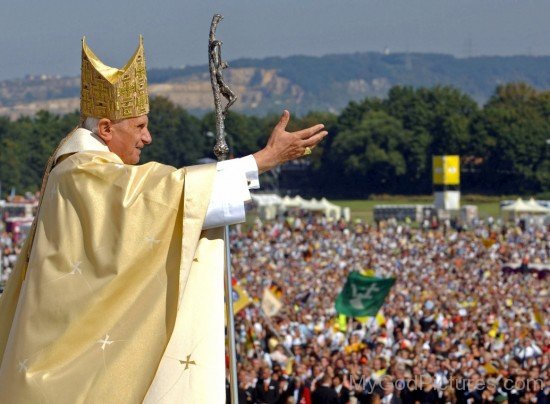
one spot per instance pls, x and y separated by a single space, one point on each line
299 83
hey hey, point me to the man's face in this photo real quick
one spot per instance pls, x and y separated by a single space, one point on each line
266 373
129 136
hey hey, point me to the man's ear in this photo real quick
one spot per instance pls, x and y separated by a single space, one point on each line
105 130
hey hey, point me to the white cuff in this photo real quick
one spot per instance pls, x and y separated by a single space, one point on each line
251 171
246 165
230 191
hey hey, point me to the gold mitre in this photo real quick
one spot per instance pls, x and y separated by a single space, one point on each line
108 92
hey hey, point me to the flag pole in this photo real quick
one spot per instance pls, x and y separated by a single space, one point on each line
274 330
221 150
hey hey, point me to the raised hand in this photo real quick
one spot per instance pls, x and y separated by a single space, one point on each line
284 146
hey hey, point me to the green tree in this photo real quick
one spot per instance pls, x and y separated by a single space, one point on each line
515 126
368 157
177 136
373 145
440 121
443 112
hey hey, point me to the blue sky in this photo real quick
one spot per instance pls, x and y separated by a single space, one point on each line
43 37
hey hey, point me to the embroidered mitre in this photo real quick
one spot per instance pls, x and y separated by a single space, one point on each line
108 92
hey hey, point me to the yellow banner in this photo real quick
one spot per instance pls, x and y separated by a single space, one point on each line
446 170
241 299
342 322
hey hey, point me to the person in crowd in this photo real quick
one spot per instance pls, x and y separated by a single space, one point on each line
324 392
453 318
456 327
341 390
267 389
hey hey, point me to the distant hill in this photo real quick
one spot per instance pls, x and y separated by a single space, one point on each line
300 83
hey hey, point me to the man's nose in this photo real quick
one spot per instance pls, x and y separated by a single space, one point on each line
146 137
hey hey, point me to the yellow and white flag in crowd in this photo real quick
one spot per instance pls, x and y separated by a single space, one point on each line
270 304
241 298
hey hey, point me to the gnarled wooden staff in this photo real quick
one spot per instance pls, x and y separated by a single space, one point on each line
221 150
219 88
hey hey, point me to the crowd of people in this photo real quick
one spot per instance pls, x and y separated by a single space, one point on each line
9 250
11 241
456 327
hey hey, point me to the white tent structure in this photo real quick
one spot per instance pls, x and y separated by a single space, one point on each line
516 207
269 205
521 208
293 202
536 207
322 205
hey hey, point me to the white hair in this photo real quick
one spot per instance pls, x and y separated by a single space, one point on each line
91 124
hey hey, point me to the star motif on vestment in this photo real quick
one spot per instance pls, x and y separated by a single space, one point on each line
76 268
151 241
105 341
23 366
187 362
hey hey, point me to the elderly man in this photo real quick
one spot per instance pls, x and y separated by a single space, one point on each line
118 292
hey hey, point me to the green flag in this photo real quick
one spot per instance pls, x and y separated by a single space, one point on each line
362 295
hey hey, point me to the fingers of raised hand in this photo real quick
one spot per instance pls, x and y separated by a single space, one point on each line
285 117
312 141
307 133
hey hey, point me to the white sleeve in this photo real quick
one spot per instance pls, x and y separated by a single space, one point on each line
231 187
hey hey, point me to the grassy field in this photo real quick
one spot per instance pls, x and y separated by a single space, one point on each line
363 209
